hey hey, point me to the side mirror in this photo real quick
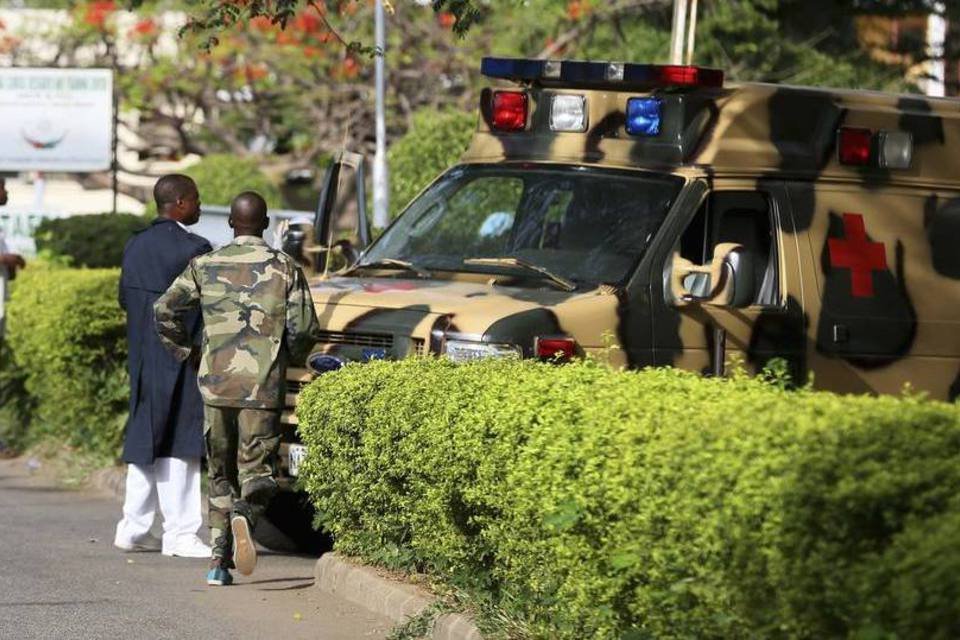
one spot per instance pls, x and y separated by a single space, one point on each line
725 282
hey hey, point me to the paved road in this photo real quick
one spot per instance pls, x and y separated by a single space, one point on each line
60 577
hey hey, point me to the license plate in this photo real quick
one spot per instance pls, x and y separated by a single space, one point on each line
296 455
371 353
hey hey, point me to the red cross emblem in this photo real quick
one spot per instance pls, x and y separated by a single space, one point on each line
858 254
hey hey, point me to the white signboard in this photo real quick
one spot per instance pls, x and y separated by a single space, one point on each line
56 119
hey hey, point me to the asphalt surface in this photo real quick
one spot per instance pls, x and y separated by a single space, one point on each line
61 577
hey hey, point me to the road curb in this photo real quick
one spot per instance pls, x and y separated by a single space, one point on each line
365 587
111 480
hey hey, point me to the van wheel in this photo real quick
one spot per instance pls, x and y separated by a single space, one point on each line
287 526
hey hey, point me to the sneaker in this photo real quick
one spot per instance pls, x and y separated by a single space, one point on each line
146 543
244 550
219 577
187 547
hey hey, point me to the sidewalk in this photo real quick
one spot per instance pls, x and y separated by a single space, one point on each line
61 577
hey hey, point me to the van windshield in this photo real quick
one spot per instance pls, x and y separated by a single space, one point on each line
584 225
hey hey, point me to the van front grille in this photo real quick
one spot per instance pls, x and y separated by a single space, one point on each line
374 340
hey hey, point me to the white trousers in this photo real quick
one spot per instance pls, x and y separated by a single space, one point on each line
173 485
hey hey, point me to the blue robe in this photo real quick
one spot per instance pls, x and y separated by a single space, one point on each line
166 411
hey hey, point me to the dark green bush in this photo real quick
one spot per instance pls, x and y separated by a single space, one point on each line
434 144
66 332
15 402
95 241
657 504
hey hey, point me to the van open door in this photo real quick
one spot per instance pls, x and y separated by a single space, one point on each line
341 230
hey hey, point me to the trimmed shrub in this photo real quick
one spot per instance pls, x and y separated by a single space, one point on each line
434 144
67 335
221 177
655 504
95 241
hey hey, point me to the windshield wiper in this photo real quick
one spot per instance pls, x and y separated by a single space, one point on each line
390 263
560 281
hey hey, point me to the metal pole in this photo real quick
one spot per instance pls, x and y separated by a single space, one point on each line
115 164
679 30
381 194
691 32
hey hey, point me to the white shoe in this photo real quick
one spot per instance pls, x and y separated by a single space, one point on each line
188 547
146 543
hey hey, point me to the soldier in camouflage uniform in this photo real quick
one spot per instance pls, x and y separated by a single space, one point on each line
257 314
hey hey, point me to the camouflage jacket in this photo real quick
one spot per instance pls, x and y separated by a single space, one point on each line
257 312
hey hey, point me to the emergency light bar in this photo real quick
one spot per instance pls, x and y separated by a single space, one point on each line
583 74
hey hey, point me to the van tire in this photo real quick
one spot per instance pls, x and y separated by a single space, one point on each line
287 526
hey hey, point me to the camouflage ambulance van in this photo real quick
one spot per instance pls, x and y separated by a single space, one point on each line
685 220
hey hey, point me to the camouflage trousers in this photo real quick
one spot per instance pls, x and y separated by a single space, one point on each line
241 457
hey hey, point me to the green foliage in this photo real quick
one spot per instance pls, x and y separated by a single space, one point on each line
15 402
434 143
95 241
221 177
599 504
66 332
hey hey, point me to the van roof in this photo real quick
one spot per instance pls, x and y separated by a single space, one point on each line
750 129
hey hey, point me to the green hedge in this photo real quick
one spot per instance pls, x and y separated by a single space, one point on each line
589 503
435 142
66 333
95 241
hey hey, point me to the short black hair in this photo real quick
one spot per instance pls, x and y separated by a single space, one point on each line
248 208
172 187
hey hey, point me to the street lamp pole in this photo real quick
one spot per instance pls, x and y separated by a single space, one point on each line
381 192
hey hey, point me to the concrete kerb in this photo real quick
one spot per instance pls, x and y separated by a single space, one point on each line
397 601
358 584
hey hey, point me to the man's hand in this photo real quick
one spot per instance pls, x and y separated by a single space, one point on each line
12 262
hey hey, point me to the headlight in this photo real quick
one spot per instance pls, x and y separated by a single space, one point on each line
320 363
465 350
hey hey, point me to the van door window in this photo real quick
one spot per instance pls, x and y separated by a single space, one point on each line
744 218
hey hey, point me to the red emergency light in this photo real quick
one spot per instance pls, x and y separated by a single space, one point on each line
509 110
854 146
688 76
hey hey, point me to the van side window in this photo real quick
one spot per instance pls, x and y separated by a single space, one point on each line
743 217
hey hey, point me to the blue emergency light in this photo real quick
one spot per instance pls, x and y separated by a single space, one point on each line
583 74
643 116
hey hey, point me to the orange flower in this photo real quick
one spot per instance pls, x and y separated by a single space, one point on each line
575 9
350 68
144 29
284 37
308 22
96 13
261 23
446 19
254 72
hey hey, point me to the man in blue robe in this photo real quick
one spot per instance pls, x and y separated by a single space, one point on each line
163 442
